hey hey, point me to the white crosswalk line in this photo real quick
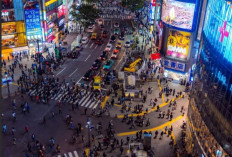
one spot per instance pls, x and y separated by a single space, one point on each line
70 154
92 104
75 154
87 104
83 98
96 104
82 104
59 156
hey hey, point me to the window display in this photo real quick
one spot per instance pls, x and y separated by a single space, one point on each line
178 44
8 15
178 14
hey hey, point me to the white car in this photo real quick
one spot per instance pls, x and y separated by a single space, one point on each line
84 40
108 47
127 44
116 25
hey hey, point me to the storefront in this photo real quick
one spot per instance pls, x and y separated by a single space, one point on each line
8 15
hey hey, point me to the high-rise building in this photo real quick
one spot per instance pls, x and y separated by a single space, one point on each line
210 109
13 29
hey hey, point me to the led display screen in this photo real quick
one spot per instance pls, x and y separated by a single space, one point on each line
178 14
178 44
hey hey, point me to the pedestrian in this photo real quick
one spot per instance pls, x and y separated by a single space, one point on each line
4 128
14 141
26 129
14 116
148 122
121 150
86 110
13 131
33 137
60 110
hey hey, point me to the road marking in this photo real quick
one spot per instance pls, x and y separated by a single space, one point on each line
104 102
151 129
91 45
70 154
96 46
60 71
87 58
73 72
78 81
152 110
75 153
87 151
160 88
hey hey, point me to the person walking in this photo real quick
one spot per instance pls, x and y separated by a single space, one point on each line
26 129
86 110
121 150
4 129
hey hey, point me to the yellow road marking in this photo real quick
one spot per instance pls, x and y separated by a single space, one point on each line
151 129
10 84
104 102
160 88
194 128
152 110
87 151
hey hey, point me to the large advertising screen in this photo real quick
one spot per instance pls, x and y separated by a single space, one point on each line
32 21
178 44
178 14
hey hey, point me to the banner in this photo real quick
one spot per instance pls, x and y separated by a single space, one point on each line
178 44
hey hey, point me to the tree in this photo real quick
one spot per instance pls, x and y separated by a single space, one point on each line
85 14
133 5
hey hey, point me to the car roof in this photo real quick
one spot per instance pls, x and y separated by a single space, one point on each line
84 37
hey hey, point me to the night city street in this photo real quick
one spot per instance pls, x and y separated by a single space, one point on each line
116 78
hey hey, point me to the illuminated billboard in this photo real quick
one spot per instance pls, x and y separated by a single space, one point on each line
178 44
178 14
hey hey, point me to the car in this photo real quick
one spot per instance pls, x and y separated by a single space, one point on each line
121 37
101 26
108 47
127 44
112 39
119 45
100 21
99 41
89 75
96 64
90 28
112 74
116 25
116 31
84 40
104 34
79 47
94 36
115 54
104 56
75 54
108 64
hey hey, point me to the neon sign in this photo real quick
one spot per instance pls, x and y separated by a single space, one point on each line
223 31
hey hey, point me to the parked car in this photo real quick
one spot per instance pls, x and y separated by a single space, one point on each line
104 34
116 31
89 75
115 54
116 25
99 41
84 40
96 64
108 47
119 45
127 44
112 39
94 36
104 56
108 64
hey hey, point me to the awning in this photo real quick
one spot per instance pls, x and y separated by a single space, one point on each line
20 48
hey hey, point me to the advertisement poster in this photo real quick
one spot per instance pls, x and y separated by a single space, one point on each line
178 14
178 44
61 11
32 20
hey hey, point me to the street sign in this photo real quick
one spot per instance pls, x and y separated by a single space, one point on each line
4 81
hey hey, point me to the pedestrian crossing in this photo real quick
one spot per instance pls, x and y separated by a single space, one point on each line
70 154
117 17
84 98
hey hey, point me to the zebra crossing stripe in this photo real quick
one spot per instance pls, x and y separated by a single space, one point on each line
88 103
70 154
96 104
85 100
91 105
75 154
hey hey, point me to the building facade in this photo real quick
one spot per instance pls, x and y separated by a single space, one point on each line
13 29
210 110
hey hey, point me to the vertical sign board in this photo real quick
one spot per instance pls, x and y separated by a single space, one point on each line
32 21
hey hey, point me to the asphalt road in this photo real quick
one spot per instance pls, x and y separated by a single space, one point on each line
76 68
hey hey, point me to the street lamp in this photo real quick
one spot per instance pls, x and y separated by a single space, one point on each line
88 126
7 82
